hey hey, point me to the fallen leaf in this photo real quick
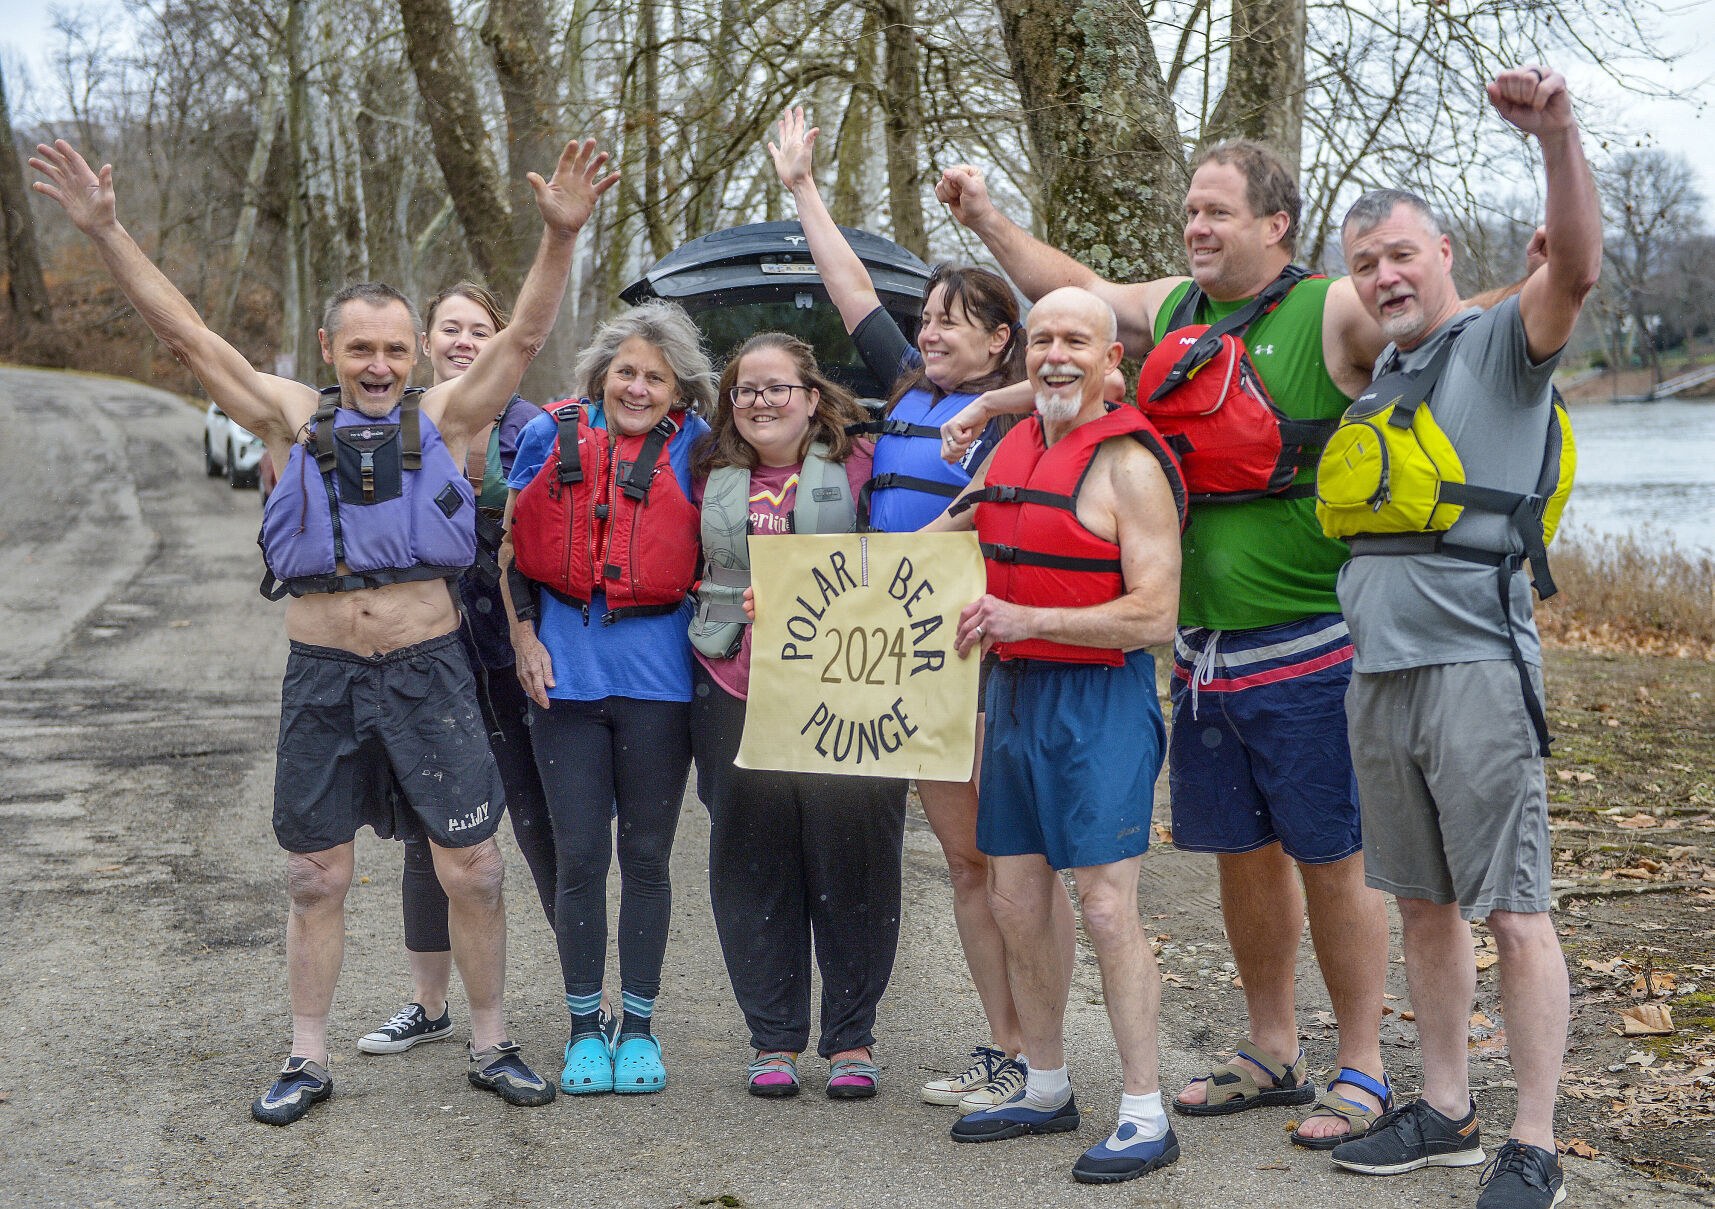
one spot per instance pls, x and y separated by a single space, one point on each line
1478 1020
5 1095
1637 821
1326 1019
1579 1147
1385 995
1274 1167
1386 1010
1660 982
1163 833
177 625
1581 776
1486 959
110 868
1601 967
1641 1059
1646 1020
1238 981
1408 1015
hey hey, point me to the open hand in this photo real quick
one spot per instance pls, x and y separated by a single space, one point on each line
988 620
535 666
567 201
792 158
1532 98
85 196
962 191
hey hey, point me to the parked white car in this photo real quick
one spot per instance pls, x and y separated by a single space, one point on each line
229 450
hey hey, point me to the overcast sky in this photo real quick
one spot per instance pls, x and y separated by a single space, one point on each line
1686 126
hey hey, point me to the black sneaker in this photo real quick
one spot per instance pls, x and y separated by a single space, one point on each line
301 1085
1521 1176
501 1070
410 1026
1411 1137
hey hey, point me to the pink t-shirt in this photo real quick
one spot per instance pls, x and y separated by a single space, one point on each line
773 492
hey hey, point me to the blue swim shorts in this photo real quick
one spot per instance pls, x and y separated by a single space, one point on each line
1071 753
1259 752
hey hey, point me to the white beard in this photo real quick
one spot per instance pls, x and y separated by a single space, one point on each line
1056 408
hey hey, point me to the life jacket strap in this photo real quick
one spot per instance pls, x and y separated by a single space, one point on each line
1208 344
1054 562
523 593
410 432
892 428
883 482
309 585
1015 495
637 477
571 460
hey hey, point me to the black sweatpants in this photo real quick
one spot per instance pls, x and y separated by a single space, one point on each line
506 710
592 757
798 860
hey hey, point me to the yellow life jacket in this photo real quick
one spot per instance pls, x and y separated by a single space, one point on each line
1390 482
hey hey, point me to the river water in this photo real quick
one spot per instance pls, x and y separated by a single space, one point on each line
1646 468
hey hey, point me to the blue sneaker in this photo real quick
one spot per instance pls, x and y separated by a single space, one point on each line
637 1067
1013 1118
589 1066
300 1086
1125 1155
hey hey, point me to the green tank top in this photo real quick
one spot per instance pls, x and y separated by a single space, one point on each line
1265 562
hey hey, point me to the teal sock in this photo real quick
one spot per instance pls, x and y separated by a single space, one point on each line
638 1013
586 1014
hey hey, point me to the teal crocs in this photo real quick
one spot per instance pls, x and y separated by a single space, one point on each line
589 1066
637 1068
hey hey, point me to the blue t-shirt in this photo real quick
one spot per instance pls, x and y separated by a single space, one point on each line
646 658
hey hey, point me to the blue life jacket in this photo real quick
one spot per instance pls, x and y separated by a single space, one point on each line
387 500
912 483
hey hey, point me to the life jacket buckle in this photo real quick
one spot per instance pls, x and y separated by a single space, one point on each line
1006 495
1005 554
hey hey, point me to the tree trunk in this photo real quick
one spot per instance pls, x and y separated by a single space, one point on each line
454 115
266 125
1264 95
848 201
1102 132
25 288
298 325
902 118
649 114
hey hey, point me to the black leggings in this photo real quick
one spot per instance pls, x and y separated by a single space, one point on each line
505 709
592 757
795 860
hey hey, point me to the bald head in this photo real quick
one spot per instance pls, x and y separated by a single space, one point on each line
1080 302
1070 348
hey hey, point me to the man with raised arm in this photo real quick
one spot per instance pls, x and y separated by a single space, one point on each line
371 518
1259 768
1078 511
1447 727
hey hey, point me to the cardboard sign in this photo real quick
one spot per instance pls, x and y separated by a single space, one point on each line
852 666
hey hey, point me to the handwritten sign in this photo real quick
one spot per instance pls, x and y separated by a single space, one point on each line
852 666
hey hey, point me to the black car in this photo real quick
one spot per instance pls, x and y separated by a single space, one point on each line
760 277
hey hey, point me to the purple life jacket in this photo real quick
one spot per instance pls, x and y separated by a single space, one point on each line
387 500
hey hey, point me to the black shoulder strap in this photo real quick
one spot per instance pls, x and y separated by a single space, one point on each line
571 460
1423 381
1209 343
410 434
327 407
635 482
892 428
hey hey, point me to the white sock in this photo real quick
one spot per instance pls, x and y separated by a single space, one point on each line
1144 1112
1046 1088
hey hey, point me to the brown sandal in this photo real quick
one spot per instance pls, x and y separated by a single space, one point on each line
1238 1089
1332 1104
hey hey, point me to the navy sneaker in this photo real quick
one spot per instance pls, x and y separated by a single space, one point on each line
1411 1137
1013 1118
1125 1155
1521 1177
501 1070
410 1026
301 1085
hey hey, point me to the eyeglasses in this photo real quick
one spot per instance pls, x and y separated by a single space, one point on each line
778 395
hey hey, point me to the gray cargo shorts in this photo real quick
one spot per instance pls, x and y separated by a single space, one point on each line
1450 786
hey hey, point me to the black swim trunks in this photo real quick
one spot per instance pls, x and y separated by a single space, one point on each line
395 742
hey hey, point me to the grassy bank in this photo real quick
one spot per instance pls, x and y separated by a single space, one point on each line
1626 594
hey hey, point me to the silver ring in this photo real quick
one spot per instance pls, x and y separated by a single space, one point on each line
979 631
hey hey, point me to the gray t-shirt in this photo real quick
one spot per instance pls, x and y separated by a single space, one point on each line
1418 610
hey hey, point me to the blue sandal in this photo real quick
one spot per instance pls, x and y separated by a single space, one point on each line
589 1066
1332 1104
852 1079
773 1075
637 1068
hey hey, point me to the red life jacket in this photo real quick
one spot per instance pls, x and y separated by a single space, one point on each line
609 518
1205 396
1036 550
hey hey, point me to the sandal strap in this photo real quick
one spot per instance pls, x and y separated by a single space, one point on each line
853 1066
1382 1091
1286 1075
770 1064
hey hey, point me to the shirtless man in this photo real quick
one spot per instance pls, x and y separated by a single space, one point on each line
376 684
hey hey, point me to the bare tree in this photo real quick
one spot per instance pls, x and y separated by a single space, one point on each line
1652 205
25 288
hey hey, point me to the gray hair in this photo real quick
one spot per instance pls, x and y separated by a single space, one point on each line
374 293
1377 206
667 327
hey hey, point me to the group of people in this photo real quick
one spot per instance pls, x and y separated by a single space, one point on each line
1356 698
